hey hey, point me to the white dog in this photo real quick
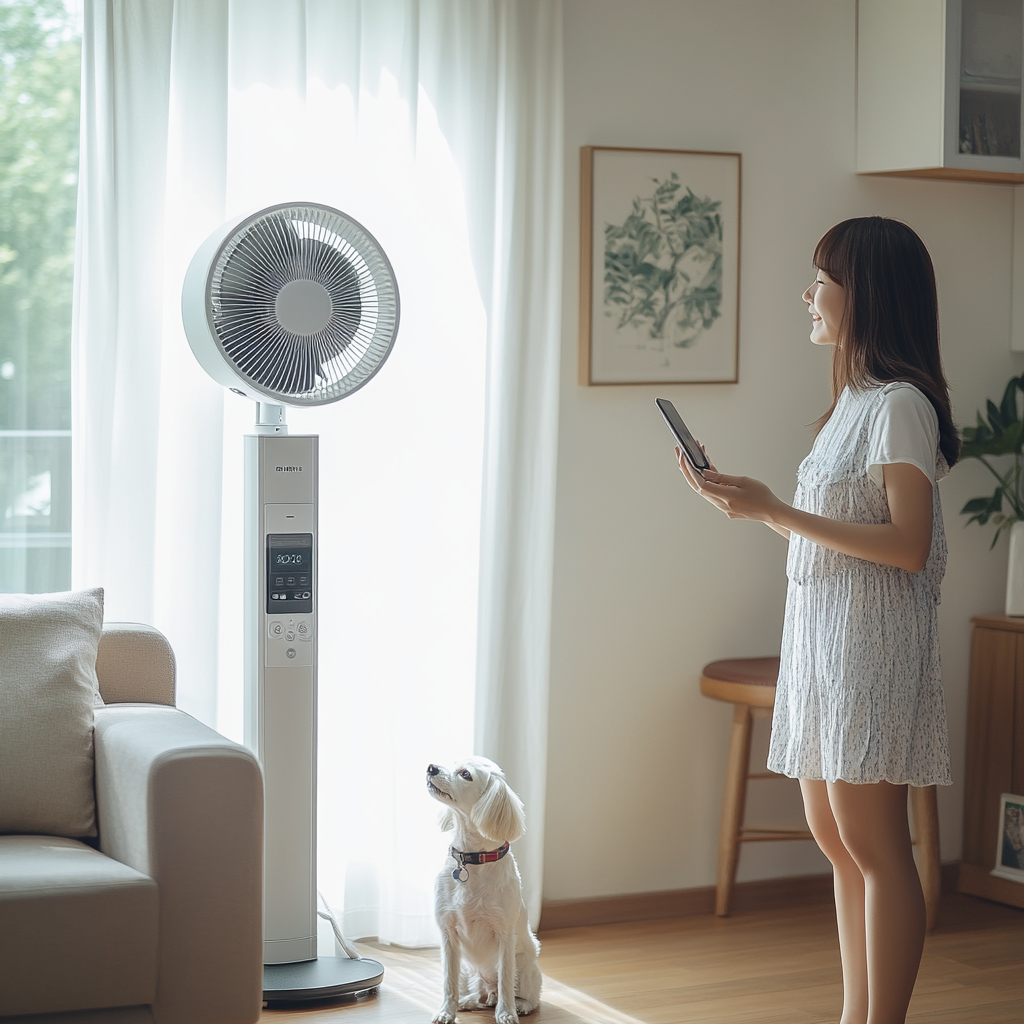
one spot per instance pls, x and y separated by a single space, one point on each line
478 897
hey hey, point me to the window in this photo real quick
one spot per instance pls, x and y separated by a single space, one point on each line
40 66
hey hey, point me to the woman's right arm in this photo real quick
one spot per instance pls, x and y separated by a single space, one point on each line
905 541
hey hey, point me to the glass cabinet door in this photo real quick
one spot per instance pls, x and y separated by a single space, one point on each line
986 42
990 77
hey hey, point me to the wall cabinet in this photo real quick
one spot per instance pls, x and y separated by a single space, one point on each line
995 751
939 89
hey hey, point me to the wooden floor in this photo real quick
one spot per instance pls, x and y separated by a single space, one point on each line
769 967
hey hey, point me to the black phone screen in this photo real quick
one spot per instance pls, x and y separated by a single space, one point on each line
686 440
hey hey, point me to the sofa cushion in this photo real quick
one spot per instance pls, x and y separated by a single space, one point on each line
48 691
79 929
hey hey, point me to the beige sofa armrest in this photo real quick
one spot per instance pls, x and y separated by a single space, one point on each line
135 663
183 804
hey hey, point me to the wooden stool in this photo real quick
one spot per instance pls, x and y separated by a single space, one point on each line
749 685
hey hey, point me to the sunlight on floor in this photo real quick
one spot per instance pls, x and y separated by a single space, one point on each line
411 992
583 1006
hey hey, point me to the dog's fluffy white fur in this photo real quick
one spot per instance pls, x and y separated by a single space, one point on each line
488 952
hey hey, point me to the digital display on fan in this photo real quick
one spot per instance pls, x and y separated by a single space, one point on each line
289 573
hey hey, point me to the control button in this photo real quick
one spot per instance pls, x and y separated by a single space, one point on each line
303 581
291 581
278 581
290 635
290 652
306 595
276 629
302 629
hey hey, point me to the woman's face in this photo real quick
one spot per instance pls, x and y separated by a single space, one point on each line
826 301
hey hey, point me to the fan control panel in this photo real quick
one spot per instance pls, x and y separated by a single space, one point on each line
289 600
289 573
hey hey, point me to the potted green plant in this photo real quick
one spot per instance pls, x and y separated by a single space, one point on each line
998 435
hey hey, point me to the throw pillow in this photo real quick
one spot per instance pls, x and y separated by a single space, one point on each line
48 690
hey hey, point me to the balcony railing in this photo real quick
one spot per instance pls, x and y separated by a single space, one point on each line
35 510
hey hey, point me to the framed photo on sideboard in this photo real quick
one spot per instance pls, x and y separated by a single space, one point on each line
1010 842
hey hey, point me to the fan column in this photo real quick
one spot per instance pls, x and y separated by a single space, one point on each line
280 679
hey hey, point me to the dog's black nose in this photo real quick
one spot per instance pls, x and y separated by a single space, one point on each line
432 769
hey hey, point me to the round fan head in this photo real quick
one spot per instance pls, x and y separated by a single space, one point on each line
296 304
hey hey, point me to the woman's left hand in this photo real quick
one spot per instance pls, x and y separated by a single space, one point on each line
739 497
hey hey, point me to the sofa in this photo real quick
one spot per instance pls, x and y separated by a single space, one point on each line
158 917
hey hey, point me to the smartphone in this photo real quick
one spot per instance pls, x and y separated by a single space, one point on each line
693 451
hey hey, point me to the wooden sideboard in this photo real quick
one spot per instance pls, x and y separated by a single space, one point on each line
995 751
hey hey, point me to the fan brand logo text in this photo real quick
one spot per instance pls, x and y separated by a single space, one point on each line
289 469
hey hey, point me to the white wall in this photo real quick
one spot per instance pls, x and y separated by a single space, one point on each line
650 582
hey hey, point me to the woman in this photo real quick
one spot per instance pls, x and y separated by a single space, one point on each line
859 712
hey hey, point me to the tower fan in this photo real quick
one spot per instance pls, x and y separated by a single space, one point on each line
294 305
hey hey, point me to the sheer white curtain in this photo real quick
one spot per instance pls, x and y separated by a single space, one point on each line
437 124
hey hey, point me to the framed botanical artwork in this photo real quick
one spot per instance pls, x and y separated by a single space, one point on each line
1010 842
659 266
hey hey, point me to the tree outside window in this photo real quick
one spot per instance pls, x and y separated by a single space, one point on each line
40 69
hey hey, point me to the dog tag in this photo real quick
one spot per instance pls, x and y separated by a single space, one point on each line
460 874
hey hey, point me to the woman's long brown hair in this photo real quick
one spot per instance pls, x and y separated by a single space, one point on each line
890 326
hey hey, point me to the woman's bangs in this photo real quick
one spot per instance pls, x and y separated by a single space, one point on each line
830 254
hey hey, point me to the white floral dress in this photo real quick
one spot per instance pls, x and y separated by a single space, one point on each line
859 694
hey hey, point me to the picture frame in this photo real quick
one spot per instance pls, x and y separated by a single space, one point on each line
659 266
1010 841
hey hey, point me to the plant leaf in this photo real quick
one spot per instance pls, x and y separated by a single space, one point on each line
1000 432
1006 523
1007 442
981 440
984 508
993 415
1008 407
976 505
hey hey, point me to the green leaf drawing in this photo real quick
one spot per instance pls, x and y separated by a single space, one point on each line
663 265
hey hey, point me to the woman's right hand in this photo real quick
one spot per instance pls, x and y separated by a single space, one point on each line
692 476
737 497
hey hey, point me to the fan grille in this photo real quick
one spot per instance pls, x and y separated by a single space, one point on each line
325 336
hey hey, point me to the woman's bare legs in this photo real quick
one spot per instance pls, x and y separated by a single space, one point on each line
863 830
873 826
849 888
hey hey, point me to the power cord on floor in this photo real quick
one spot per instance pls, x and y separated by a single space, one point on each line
328 915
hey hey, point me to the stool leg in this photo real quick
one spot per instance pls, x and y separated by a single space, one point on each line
732 806
924 809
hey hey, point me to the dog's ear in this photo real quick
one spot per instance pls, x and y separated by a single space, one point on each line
498 812
446 821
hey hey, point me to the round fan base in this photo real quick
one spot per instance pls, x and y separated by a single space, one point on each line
326 977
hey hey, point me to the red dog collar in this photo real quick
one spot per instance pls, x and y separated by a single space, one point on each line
460 874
